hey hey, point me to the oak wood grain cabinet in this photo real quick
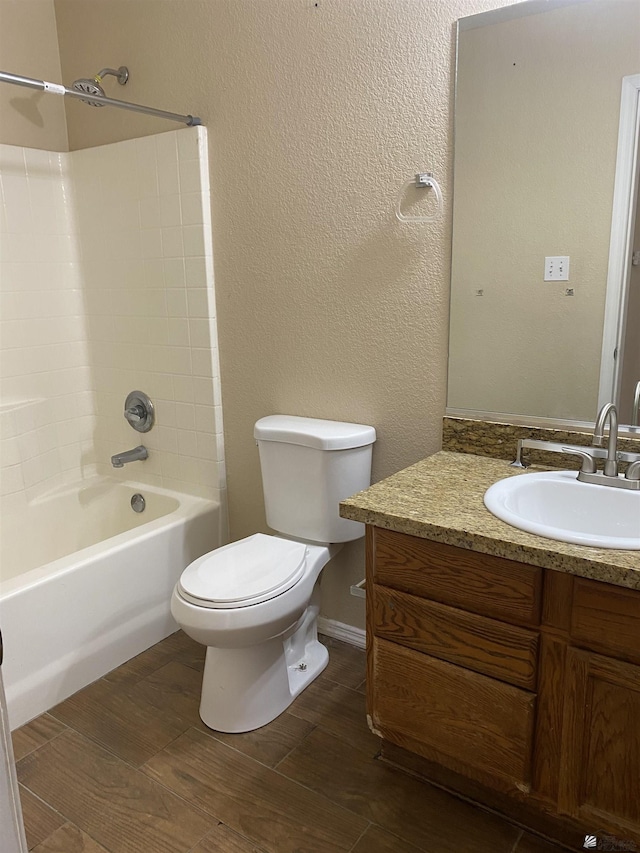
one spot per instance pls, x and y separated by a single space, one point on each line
514 685
600 768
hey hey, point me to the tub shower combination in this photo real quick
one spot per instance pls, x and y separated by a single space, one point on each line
91 585
86 575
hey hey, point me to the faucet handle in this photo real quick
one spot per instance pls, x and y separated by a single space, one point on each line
588 465
135 414
139 411
633 470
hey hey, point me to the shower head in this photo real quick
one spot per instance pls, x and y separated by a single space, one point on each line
91 86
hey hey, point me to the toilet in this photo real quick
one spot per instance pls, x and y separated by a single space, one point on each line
255 603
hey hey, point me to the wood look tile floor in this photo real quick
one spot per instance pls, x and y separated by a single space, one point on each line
126 766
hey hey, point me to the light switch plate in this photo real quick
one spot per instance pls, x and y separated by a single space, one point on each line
556 268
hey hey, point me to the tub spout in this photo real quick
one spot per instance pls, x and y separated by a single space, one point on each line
119 460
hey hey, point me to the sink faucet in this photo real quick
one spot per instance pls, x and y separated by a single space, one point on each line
610 413
588 472
589 454
119 460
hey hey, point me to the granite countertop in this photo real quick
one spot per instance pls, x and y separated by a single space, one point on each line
440 498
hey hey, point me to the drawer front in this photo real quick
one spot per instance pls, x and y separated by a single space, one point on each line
490 586
463 720
465 639
606 618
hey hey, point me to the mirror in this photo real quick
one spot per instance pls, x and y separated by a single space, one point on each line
537 117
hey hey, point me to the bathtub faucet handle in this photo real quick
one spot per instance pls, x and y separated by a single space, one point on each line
135 414
139 411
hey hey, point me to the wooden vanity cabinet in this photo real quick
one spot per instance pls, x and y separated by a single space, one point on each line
600 766
453 656
523 681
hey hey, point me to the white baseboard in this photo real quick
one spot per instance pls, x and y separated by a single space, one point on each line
340 631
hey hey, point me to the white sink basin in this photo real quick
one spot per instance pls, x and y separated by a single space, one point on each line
556 505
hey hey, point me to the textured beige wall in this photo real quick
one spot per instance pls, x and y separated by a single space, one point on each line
536 137
317 113
29 47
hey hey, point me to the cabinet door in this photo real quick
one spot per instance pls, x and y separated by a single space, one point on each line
600 768
474 725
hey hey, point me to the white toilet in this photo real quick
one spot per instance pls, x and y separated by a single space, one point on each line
255 603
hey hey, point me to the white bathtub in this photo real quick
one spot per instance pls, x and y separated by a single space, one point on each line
85 584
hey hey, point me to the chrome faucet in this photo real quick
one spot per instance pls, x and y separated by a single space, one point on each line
588 469
119 460
635 408
588 472
610 413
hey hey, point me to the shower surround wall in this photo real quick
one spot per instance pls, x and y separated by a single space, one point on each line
107 286
46 411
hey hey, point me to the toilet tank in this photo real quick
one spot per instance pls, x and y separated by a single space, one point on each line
308 466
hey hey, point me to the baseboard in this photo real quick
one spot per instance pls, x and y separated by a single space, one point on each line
340 631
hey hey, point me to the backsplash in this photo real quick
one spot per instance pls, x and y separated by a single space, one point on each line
499 441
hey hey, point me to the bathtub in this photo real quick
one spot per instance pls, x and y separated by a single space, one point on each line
86 582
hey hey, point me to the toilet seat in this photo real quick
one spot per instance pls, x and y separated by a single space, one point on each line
243 573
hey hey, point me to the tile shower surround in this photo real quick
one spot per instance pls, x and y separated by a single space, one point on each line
106 285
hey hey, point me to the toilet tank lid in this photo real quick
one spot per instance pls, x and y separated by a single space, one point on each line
313 432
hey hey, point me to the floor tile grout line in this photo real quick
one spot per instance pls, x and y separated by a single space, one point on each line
211 733
110 750
257 849
319 794
517 842
413 844
36 748
89 835
139 769
357 814
361 836
47 804
207 833
250 840
293 748
344 686
343 739
102 746
171 658
214 820
266 767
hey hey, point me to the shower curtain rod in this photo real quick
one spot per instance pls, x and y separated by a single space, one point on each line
58 89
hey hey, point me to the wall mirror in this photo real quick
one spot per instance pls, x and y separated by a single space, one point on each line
538 176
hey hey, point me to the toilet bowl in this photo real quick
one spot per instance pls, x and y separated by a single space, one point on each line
254 603
261 635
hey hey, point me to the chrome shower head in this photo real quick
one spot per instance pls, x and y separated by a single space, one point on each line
91 86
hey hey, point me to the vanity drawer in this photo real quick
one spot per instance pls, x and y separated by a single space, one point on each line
606 618
466 721
489 647
481 583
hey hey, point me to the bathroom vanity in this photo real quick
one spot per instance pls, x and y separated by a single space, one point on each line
501 665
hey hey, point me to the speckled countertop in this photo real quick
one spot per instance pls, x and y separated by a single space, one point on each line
440 498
